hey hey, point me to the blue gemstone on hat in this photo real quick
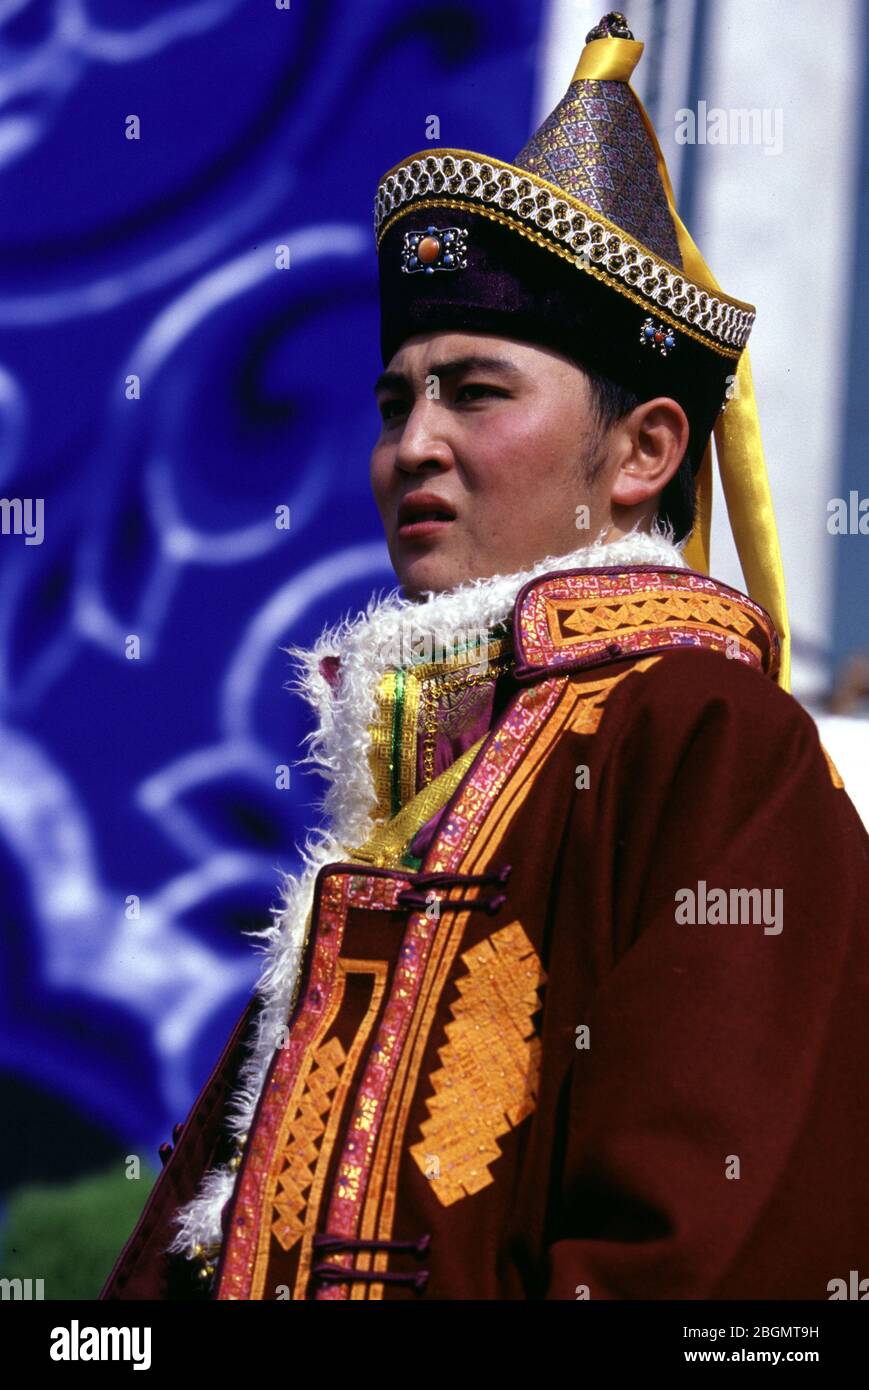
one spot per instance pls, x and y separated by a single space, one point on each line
650 332
448 259
413 261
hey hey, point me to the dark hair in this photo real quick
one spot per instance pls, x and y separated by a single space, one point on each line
677 501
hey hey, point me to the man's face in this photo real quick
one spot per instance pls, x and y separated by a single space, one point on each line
491 440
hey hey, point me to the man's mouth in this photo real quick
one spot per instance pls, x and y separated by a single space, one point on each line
423 515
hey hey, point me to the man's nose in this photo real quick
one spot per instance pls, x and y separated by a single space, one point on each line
424 438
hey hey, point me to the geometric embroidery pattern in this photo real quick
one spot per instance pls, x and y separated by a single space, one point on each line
575 620
586 716
249 1238
303 1139
490 1065
582 618
594 146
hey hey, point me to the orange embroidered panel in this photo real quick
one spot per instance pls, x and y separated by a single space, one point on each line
490 1065
583 617
301 1144
280 1184
592 696
298 1176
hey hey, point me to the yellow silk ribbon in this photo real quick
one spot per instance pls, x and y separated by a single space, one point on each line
738 444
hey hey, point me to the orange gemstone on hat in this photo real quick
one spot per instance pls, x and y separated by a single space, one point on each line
428 249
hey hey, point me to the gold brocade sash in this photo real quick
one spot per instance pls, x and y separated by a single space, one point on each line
386 845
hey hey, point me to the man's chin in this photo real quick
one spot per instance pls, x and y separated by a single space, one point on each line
432 574
419 593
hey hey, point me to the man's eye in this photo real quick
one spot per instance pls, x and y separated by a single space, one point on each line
389 410
477 391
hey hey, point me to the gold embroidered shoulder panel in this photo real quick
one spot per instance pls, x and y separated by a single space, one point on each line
586 617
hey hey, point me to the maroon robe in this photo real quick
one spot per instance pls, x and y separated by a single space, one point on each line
558 1087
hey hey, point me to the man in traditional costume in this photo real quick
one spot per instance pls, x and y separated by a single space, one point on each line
570 997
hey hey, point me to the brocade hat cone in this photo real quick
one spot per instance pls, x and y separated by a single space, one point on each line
577 245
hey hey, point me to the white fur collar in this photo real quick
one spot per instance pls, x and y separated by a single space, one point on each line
339 752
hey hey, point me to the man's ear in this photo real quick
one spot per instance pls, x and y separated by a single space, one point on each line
649 444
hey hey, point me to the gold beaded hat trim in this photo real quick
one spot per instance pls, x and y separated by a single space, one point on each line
538 209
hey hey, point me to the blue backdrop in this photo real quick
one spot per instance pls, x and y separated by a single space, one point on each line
164 387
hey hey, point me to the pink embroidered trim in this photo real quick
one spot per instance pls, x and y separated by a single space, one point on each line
496 762
691 610
335 893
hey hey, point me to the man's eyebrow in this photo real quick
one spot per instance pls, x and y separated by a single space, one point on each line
397 381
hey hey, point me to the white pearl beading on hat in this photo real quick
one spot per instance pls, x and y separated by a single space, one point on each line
593 242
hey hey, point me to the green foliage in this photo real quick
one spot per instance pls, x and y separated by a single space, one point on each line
71 1235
